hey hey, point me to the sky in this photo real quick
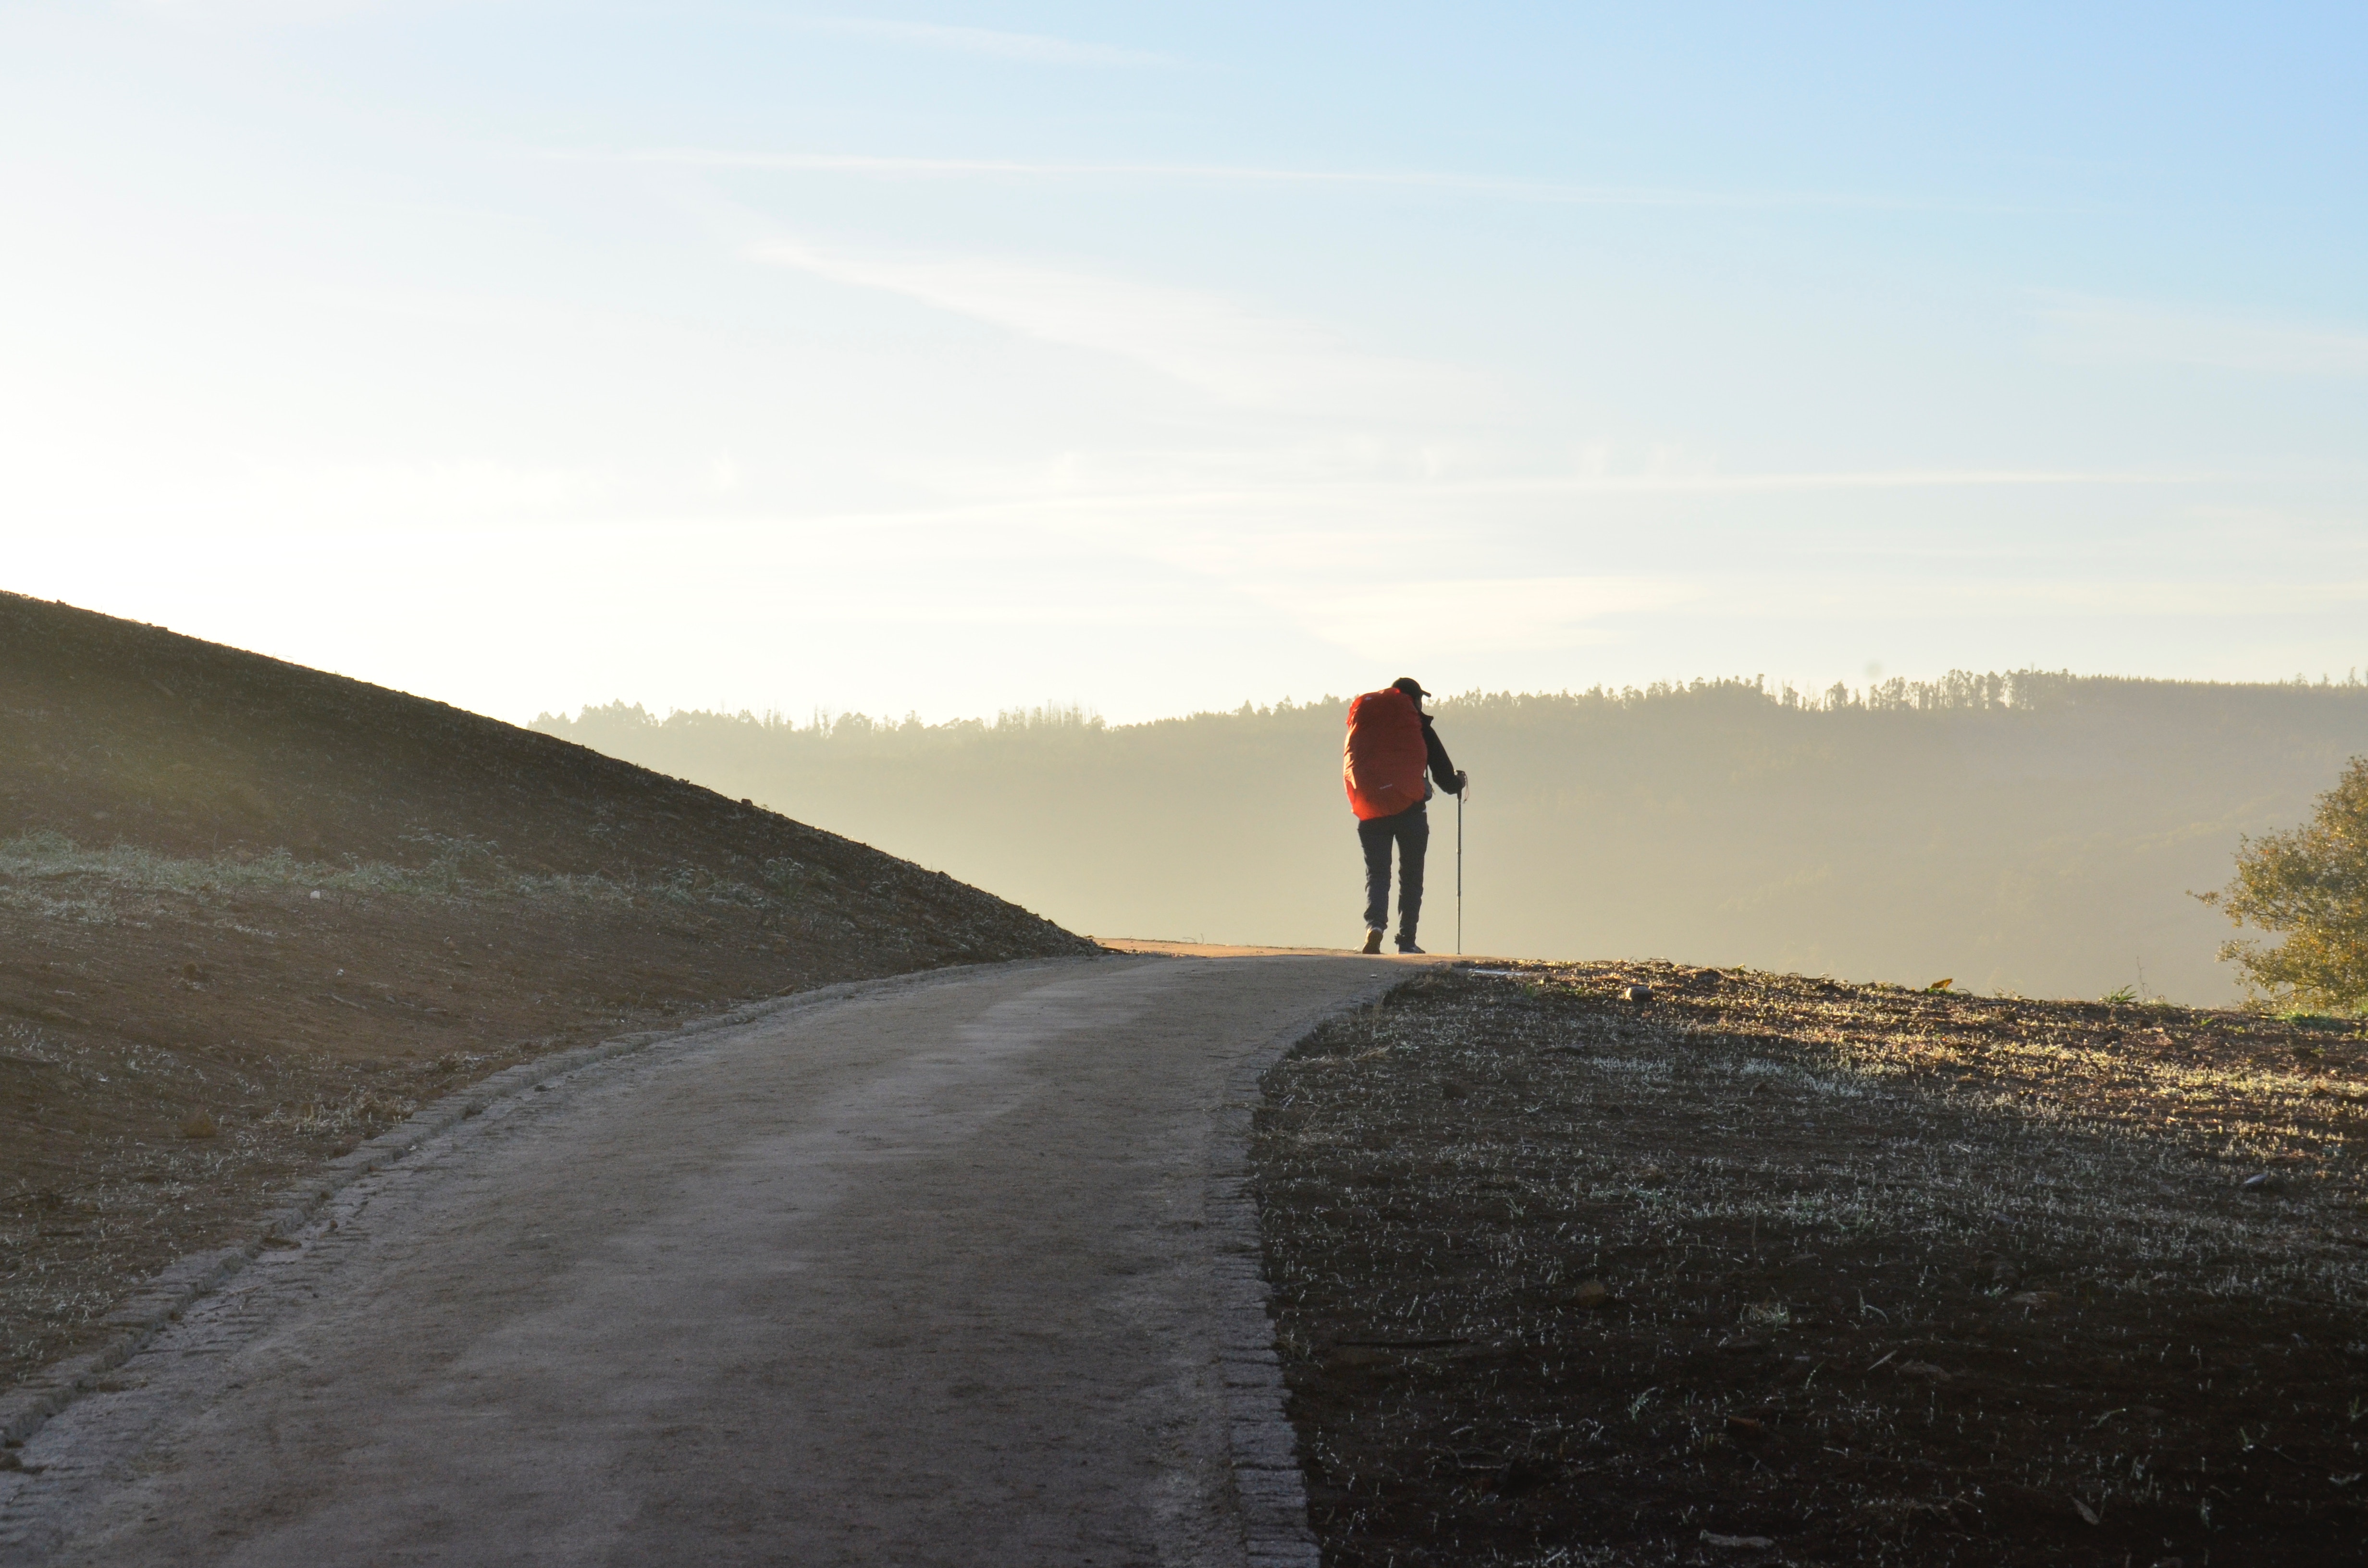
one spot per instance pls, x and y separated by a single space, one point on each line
950 358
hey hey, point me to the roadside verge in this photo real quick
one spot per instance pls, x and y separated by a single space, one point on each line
1268 1486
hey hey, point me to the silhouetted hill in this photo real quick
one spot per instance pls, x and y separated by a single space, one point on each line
251 913
119 734
2033 832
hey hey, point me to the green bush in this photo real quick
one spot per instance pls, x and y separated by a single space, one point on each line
2312 884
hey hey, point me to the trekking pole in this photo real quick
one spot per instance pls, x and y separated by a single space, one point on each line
1459 873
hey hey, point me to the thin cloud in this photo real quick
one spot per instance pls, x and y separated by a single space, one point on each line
1869 479
2169 599
1518 615
249 13
1409 504
1361 495
1919 597
1203 339
1308 525
1547 192
1036 48
406 491
2114 331
1490 614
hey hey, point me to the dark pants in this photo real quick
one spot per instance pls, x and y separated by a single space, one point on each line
1410 831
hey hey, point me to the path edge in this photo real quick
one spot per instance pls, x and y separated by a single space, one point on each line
1268 1486
152 1307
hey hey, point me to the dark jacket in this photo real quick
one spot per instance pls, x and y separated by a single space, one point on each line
1441 770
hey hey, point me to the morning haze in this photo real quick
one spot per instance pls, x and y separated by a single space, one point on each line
2031 832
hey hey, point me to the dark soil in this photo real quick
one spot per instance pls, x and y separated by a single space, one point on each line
251 914
1769 1269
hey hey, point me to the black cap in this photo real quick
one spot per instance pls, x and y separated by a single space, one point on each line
1410 686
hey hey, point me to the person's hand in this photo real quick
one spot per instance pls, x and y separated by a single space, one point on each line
1462 782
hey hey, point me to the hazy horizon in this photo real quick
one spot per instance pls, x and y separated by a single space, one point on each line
1839 694
2019 831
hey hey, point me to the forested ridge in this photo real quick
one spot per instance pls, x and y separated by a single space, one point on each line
2029 831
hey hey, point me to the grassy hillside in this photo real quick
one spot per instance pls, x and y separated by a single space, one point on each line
2032 831
251 914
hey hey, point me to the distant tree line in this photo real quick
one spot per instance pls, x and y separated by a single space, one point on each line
2027 830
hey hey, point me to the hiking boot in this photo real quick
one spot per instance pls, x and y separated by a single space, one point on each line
1405 944
1372 939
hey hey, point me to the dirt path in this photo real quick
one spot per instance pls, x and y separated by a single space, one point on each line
922 1275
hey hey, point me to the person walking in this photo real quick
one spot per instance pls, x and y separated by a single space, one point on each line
1390 764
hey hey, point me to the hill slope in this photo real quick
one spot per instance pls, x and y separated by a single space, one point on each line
251 914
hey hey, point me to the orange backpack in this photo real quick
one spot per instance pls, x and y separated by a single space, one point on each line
1384 760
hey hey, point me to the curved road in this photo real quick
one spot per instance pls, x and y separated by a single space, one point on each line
918 1274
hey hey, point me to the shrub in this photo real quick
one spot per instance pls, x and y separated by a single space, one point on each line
2312 884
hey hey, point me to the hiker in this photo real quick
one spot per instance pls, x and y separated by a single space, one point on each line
1390 747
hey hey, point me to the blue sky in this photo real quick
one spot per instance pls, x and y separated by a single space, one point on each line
1157 359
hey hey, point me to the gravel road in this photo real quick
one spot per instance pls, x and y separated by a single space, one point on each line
922 1273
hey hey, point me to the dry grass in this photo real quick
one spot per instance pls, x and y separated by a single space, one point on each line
49 876
1881 1275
